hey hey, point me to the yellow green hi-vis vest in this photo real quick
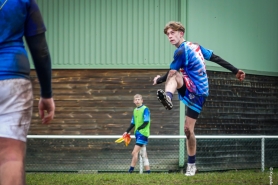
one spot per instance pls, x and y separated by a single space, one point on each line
138 115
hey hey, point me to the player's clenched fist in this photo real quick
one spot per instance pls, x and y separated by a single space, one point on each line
240 75
155 79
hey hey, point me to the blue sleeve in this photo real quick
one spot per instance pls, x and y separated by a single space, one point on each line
179 59
146 115
206 52
132 120
34 24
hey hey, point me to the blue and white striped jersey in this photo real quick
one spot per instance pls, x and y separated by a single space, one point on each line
189 58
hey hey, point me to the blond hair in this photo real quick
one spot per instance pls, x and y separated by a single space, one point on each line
137 96
176 26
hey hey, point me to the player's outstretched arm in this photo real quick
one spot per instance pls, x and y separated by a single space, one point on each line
217 59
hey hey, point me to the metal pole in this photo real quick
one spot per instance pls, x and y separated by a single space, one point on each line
262 154
181 141
141 163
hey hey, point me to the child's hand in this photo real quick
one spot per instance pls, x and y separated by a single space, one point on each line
125 133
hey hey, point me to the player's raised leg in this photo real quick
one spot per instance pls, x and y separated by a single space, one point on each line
174 82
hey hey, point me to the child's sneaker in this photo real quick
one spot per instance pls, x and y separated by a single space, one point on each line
164 99
191 170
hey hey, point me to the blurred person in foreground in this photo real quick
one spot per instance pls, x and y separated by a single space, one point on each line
18 19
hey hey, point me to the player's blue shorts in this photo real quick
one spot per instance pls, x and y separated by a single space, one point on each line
191 100
141 139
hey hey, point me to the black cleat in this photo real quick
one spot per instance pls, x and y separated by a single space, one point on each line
164 99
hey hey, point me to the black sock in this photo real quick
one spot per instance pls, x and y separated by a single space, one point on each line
169 94
131 169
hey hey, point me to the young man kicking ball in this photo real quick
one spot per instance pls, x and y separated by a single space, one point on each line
188 76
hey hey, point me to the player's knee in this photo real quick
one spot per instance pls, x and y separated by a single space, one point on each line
177 76
187 128
133 154
187 132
